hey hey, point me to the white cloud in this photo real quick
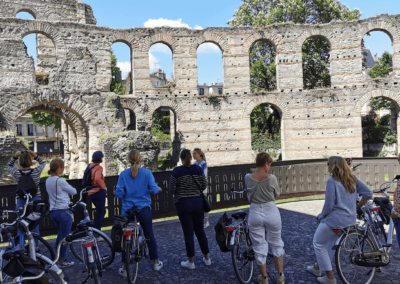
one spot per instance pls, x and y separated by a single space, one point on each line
160 47
197 27
125 68
152 23
208 47
153 62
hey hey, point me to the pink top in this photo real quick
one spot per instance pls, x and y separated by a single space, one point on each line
396 203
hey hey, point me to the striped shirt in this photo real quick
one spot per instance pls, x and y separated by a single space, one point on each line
183 185
35 173
396 203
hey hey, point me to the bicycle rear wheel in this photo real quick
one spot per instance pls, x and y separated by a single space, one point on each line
107 254
243 258
131 262
348 249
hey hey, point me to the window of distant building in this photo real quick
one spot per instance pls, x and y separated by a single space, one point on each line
201 91
18 128
156 83
220 91
30 130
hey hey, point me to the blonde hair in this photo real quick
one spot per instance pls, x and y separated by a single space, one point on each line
55 165
341 172
201 153
25 160
134 158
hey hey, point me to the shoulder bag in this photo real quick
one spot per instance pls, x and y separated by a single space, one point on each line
206 203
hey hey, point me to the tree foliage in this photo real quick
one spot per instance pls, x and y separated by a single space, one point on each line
381 67
375 128
116 84
261 13
265 128
160 122
46 119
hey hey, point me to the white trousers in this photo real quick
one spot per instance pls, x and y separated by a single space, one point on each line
324 240
263 217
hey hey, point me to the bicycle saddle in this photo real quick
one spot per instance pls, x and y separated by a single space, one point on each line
132 212
239 215
84 225
17 251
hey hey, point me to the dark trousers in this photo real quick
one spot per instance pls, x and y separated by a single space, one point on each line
145 218
191 214
397 226
99 200
63 220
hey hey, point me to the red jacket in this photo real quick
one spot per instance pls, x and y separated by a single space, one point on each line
97 178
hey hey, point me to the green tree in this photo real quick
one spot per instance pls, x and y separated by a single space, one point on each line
116 84
160 122
46 119
261 13
381 67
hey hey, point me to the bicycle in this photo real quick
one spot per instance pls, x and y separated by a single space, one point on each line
105 245
134 244
359 252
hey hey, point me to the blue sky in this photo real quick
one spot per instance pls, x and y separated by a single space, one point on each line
199 14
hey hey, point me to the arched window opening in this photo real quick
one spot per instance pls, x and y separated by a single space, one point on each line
25 15
43 53
266 130
316 63
262 67
130 118
161 66
121 68
377 54
379 127
210 70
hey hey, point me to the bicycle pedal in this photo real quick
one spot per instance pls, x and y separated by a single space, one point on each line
379 270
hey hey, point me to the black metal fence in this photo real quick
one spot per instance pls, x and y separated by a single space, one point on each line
296 178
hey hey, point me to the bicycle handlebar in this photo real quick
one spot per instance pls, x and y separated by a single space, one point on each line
383 190
353 168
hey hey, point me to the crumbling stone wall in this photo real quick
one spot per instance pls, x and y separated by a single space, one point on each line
9 146
314 122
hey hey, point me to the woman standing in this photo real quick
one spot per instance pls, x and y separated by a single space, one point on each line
26 162
200 160
339 212
264 217
187 184
134 187
396 207
59 191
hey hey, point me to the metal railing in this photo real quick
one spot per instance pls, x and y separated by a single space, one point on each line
296 179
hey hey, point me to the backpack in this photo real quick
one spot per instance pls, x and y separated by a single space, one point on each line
87 177
27 184
117 237
221 235
386 208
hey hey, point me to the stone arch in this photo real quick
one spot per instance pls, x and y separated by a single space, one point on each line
125 37
167 39
173 105
327 35
387 27
391 95
29 10
280 105
272 38
209 37
133 107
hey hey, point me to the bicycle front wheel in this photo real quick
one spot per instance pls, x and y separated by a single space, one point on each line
43 247
95 274
107 254
349 248
131 262
243 258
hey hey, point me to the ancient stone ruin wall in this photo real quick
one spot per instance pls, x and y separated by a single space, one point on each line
9 146
314 122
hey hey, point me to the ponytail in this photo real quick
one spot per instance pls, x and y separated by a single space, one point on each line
134 158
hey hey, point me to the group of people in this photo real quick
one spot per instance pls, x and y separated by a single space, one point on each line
188 183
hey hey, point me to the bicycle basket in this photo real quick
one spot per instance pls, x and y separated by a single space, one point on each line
386 208
221 235
35 213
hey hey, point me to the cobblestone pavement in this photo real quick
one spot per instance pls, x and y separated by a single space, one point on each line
298 230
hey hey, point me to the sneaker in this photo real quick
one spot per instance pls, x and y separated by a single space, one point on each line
207 262
314 271
206 224
281 279
122 272
158 266
187 264
262 280
326 280
65 264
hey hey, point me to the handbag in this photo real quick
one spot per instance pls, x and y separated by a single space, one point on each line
206 203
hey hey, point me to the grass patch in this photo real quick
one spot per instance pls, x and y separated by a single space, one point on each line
162 166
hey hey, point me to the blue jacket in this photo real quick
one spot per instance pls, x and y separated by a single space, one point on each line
136 192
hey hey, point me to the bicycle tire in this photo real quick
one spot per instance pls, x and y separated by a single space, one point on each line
343 268
105 245
95 274
131 263
43 246
241 242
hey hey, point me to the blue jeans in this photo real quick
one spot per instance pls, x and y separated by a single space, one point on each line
99 201
397 226
63 220
191 214
145 218
21 203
